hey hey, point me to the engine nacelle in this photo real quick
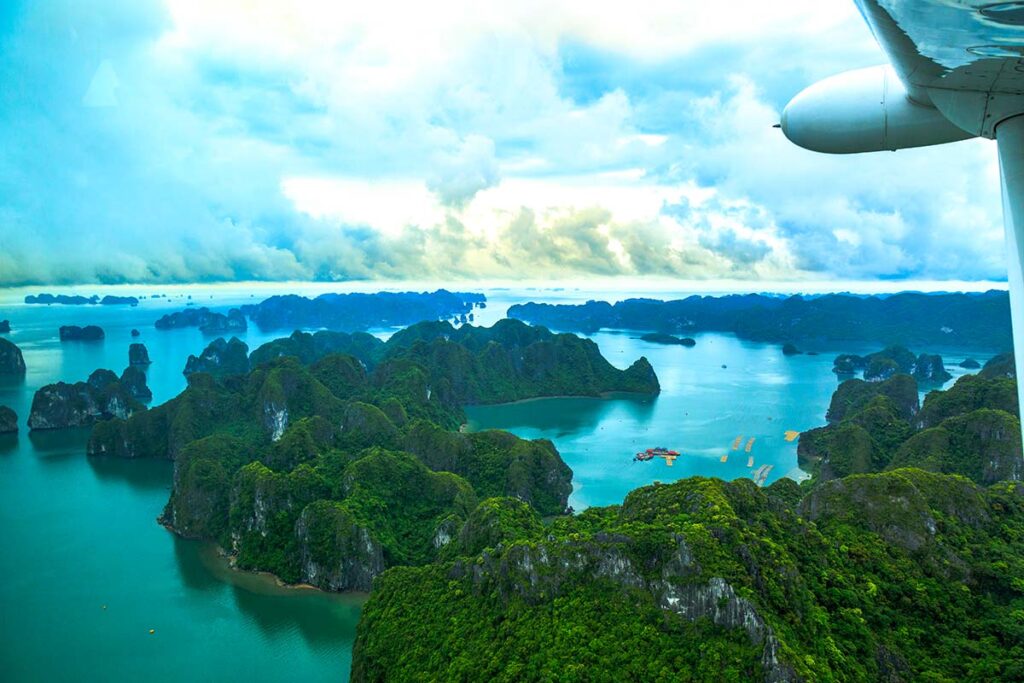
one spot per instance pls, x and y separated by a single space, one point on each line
866 110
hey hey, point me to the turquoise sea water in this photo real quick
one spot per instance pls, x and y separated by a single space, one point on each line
87 571
720 392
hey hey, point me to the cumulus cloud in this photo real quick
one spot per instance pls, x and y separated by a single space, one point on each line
930 211
180 141
458 175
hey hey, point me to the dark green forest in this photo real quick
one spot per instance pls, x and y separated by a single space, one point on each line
902 559
325 468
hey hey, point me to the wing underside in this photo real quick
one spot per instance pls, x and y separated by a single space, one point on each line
947 52
969 41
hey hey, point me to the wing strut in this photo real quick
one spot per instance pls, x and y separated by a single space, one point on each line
1010 139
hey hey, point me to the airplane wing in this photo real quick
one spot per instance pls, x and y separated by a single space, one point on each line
965 57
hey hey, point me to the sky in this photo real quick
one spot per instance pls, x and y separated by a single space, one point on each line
180 141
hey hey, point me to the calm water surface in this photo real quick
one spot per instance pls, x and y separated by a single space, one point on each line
87 571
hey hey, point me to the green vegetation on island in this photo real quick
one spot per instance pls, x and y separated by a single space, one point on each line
875 570
893 360
11 361
208 322
899 576
103 396
912 319
330 470
971 429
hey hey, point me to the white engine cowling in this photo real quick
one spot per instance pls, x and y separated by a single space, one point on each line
866 110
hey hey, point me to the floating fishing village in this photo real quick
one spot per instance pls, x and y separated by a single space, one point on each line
759 475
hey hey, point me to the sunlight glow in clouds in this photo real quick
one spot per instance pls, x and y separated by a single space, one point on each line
234 140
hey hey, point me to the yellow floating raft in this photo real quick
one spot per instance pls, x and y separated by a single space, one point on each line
750 444
736 442
791 435
725 457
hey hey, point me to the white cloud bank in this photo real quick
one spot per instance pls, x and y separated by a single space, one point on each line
230 140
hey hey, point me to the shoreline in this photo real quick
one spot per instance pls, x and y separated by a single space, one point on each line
222 566
600 397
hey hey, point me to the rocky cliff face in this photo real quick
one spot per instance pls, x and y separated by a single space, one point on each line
8 420
11 361
63 406
336 553
538 573
134 380
543 572
930 368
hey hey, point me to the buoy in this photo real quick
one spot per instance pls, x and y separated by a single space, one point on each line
152 630
104 607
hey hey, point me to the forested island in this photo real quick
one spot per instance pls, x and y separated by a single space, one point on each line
899 576
908 319
78 300
668 339
325 468
971 429
903 567
11 360
208 322
76 333
358 311
102 396
893 360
